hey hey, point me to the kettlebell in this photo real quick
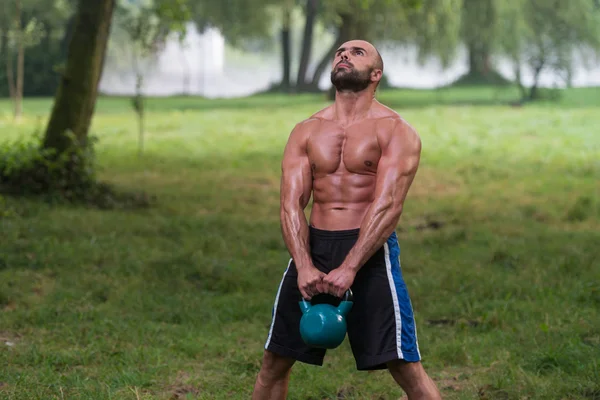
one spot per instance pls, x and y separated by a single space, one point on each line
324 325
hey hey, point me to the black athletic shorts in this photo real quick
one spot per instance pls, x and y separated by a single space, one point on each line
381 326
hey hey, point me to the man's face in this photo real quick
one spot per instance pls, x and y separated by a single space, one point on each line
352 67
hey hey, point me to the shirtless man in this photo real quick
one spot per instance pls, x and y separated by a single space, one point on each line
358 159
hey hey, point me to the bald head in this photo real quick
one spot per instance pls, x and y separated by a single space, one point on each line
378 60
357 65
370 50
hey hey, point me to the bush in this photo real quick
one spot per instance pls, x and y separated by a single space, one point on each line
27 169
4 210
547 94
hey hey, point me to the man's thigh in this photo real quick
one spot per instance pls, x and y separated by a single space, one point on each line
381 325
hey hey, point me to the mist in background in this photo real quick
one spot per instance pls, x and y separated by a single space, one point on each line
205 64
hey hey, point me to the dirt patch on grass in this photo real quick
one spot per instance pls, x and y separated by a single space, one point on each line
453 384
9 339
8 306
345 393
182 387
182 392
489 392
455 380
452 381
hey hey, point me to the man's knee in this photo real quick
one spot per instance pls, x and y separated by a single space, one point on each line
275 367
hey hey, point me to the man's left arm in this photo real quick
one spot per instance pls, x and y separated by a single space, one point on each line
400 156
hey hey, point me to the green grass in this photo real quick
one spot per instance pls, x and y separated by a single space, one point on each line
174 301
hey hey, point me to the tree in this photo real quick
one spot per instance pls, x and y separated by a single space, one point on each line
75 100
480 31
237 20
286 44
44 27
63 165
20 30
148 24
430 25
15 39
548 35
310 13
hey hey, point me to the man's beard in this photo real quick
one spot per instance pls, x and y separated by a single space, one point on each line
350 80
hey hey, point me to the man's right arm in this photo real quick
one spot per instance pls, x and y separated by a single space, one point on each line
296 188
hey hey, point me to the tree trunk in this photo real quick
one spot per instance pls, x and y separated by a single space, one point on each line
10 75
138 100
139 109
10 66
68 34
519 80
20 61
186 73
3 37
533 93
344 34
311 13
479 20
76 95
341 37
479 59
286 49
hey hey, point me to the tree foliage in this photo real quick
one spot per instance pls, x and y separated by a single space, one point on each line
45 26
432 25
236 19
550 35
147 25
429 25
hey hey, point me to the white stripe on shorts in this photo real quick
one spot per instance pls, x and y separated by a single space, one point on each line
276 302
388 267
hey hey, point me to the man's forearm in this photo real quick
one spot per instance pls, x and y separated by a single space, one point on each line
378 224
294 228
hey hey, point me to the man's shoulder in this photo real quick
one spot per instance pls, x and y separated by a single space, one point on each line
391 125
315 119
323 114
387 121
388 117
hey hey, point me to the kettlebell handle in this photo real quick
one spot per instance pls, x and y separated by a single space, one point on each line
348 296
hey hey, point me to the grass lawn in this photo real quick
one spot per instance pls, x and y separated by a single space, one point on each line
500 249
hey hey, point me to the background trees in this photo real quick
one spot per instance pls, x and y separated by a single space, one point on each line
58 47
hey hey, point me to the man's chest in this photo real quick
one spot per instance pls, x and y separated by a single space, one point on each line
333 149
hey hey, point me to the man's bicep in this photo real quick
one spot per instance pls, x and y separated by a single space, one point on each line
296 182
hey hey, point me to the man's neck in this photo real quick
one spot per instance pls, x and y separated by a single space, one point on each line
350 107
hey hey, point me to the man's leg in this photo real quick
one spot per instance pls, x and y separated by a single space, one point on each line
284 343
273 377
413 379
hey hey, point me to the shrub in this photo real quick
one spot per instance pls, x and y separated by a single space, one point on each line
28 169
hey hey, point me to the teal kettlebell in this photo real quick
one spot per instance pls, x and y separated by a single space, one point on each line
324 325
